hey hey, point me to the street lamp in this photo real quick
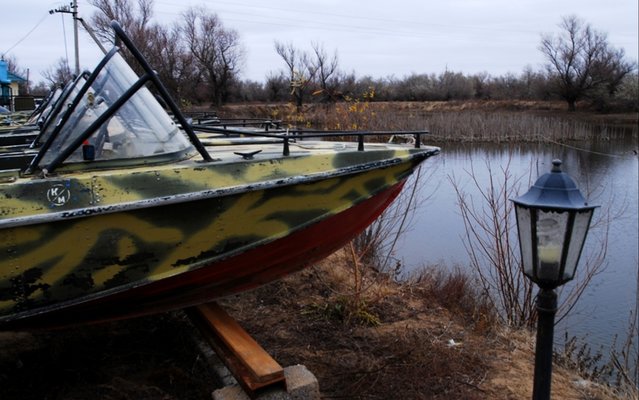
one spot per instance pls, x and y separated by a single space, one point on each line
552 220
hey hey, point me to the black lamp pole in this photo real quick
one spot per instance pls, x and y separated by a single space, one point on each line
546 310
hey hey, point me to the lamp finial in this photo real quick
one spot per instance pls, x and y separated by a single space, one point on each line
556 165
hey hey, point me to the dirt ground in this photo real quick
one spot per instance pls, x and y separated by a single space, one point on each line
401 344
147 358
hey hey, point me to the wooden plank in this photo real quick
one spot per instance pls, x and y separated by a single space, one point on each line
241 344
251 365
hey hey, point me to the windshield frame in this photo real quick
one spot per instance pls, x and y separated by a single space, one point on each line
178 148
57 111
66 114
113 93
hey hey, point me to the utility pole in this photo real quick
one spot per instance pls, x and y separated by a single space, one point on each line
75 36
74 12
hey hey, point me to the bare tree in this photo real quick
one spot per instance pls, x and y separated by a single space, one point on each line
326 73
481 85
41 89
533 84
59 73
13 66
134 20
299 69
172 61
454 85
215 50
276 87
580 61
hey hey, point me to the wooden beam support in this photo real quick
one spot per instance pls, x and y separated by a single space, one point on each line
253 368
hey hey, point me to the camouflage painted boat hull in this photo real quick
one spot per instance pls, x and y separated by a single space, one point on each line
93 246
120 210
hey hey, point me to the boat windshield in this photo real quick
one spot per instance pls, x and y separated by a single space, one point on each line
138 128
59 108
43 111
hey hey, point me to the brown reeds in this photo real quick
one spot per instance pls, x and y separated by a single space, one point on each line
453 122
618 368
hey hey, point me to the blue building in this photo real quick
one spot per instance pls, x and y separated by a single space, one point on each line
9 86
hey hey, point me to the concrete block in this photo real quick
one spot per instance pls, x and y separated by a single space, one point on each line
301 384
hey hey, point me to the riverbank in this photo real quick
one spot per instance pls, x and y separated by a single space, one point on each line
425 339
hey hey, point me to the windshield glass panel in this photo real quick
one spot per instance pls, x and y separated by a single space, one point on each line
66 98
139 128
45 109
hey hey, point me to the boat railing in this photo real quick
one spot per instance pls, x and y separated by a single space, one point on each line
265 123
286 136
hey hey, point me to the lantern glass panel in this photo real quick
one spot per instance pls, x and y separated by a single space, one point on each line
579 231
551 231
525 238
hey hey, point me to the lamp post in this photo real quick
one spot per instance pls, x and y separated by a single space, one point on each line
552 221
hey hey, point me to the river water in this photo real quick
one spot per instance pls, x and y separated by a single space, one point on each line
607 174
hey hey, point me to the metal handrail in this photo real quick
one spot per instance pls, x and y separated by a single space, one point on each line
286 135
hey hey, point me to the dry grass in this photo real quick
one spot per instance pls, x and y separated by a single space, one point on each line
427 345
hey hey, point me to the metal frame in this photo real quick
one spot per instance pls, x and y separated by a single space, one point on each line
67 114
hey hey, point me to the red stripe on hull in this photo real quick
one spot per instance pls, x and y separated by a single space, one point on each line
235 274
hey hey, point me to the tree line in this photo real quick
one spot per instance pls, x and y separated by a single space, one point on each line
199 59
581 66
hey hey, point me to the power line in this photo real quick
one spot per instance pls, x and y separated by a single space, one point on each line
381 30
64 34
385 20
358 22
26 35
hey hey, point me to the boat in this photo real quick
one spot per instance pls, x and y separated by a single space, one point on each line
14 130
125 211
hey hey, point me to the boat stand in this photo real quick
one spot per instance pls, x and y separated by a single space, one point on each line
253 368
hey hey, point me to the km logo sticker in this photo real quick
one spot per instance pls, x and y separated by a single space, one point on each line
58 195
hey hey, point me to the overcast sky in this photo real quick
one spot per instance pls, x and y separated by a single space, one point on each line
372 37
